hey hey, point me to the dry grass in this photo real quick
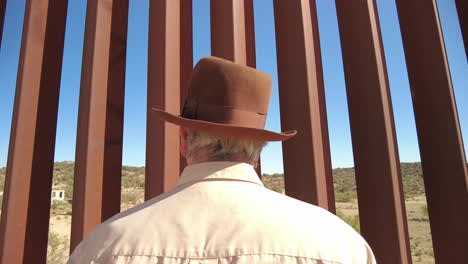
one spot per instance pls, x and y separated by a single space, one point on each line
59 239
416 210
345 192
419 230
418 225
131 197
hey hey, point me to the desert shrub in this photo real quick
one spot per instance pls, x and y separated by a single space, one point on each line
69 191
133 177
60 207
134 170
353 221
2 178
132 180
275 187
276 175
345 197
424 211
274 182
131 197
57 249
63 177
413 184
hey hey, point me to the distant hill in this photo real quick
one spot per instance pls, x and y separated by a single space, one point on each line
344 180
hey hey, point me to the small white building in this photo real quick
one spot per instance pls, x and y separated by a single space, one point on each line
58 195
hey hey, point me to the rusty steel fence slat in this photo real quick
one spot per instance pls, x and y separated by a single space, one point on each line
250 34
186 45
233 34
440 140
164 90
462 10
228 30
3 4
376 161
98 161
26 205
251 58
186 60
306 157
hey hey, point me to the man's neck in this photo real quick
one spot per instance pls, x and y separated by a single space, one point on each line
204 155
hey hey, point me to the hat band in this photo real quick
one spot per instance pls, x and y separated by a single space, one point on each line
224 115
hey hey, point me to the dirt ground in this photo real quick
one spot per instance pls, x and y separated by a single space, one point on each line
60 224
419 231
418 227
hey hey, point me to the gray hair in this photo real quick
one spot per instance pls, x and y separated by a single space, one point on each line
223 148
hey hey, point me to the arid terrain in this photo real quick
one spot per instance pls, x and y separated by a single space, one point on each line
416 207
345 193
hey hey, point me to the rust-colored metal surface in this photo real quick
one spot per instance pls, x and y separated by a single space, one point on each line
306 157
249 34
186 47
164 82
233 34
440 142
228 30
98 167
2 18
186 59
26 203
380 194
462 9
251 59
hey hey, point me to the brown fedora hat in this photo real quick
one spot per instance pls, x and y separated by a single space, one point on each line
227 99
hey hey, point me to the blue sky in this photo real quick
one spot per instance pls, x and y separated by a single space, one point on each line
135 113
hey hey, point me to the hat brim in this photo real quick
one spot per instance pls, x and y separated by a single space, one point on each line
224 129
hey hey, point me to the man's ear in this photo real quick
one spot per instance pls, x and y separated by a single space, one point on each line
183 142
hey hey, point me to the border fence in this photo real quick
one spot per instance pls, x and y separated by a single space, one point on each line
307 164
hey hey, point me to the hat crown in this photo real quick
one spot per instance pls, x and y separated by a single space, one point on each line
228 93
227 99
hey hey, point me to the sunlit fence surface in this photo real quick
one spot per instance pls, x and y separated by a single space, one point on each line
308 175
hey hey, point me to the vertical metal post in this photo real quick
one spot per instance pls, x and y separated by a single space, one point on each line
228 30
3 4
306 157
186 59
26 203
96 191
378 178
249 34
440 141
233 33
251 60
462 9
164 92
186 46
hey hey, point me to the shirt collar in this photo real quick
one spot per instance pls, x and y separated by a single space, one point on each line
219 170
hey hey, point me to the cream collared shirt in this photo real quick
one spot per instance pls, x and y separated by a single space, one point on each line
220 212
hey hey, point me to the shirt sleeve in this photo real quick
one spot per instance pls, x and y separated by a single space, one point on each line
370 255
